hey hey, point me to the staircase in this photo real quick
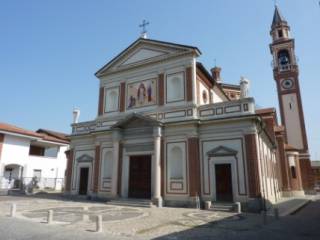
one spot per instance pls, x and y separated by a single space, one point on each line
3 192
222 207
131 202
16 192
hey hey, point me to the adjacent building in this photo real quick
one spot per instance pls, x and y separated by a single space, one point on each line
32 158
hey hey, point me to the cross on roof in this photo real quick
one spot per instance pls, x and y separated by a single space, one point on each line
143 26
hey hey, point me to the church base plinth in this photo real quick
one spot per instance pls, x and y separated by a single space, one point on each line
158 202
287 194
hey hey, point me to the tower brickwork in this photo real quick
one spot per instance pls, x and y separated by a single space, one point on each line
286 75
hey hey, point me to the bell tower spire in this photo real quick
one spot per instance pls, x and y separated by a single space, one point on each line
279 28
286 75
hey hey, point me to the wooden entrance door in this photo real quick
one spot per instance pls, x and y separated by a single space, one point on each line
83 181
223 182
140 177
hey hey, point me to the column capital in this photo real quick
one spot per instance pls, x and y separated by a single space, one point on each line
157 131
116 134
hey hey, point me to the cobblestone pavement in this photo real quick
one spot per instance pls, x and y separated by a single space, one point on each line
117 220
75 220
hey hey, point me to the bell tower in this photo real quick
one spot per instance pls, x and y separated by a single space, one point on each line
286 75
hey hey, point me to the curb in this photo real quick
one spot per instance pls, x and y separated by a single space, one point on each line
295 209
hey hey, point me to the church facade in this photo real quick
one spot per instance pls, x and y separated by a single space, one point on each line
170 131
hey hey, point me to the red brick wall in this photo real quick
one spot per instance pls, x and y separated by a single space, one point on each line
306 174
1 142
69 155
284 171
101 101
96 172
252 165
296 184
161 89
189 83
194 167
122 96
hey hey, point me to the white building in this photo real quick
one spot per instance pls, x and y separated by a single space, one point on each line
28 157
169 131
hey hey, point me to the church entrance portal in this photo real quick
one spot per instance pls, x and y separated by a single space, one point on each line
140 176
223 183
83 181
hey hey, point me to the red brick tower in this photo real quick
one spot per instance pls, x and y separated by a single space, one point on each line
286 75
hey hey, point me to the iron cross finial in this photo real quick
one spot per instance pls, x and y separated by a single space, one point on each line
143 26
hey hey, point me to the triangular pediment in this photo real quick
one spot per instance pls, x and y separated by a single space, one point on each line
143 54
85 158
145 51
222 151
136 120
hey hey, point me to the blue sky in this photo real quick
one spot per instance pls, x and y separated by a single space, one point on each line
50 51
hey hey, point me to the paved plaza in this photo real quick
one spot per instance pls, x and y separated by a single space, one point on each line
76 220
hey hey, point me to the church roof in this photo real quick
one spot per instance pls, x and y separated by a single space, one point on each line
230 86
146 41
208 75
262 111
278 19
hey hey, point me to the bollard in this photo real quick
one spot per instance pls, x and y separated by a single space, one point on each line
85 217
197 202
13 210
238 207
207 205
99 223
264 217
50 216
276 213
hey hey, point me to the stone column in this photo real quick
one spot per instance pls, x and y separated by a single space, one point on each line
157 199
116 137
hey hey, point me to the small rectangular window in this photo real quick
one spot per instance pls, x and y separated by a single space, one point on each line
36 150
280 34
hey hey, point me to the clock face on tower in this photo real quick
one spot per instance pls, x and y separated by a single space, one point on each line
287 84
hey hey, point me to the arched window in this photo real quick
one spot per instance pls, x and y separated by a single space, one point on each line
178 87
284 59
175 88
112 101
107 165
176 166
293 172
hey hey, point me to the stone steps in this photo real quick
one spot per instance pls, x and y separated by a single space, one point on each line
4 192
15 192
223 207
130 202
